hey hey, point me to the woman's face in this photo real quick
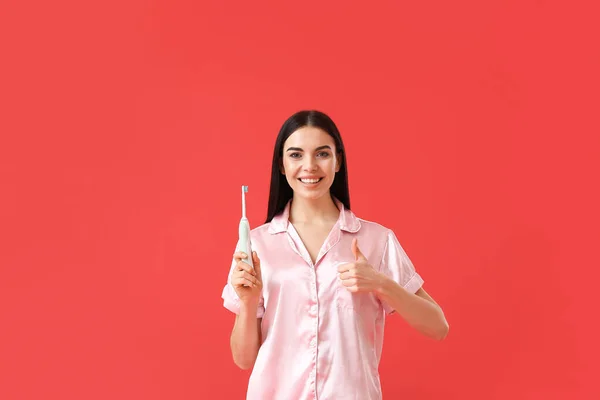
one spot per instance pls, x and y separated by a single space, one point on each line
310 162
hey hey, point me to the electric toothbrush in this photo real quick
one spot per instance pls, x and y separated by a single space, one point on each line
244 232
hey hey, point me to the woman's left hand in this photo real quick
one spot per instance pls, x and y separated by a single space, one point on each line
360 276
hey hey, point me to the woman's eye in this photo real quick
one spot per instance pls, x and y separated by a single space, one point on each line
295 155
323 154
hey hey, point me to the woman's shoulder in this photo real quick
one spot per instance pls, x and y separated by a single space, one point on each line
373 227
266 235
261 229
266 232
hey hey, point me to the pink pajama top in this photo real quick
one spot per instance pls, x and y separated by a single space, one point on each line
320 341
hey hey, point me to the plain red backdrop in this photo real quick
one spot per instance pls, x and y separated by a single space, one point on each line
129 126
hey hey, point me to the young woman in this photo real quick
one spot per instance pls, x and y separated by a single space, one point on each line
310 315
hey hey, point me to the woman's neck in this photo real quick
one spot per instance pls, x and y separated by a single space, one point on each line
317 211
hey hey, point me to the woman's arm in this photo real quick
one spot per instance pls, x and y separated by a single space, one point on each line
246 336
419 309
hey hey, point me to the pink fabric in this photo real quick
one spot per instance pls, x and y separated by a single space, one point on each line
320 341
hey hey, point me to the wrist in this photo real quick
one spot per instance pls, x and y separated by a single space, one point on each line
383 285
249 306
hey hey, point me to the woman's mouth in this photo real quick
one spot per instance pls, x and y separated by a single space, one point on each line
307 181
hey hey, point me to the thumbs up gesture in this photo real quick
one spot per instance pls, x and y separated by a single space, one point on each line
360 276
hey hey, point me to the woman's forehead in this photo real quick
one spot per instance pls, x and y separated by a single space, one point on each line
310 137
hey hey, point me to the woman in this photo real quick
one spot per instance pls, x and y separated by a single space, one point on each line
310 315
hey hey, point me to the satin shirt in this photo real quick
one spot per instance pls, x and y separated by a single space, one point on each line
319 340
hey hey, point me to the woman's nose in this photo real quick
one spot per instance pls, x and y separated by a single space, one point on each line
310 164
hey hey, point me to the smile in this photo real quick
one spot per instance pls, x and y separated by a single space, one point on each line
310 181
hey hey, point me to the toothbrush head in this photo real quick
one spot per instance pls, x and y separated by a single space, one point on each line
244 191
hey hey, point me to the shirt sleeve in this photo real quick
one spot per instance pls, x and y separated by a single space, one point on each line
397 266
231 301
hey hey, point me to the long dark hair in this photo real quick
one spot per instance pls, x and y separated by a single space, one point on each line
281 192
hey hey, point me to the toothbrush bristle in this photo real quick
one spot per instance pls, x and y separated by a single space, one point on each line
244 191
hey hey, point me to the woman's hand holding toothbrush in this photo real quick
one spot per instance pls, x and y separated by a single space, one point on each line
246 280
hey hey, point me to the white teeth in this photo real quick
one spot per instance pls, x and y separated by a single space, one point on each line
310 180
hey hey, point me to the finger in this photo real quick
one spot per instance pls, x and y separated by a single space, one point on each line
346 275
243 281
250 278
239 255
349 282
345 267
244 266
356 251
244 274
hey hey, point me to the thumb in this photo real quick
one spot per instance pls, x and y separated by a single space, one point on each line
357 253
256 262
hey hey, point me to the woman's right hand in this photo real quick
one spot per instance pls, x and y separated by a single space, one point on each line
247 281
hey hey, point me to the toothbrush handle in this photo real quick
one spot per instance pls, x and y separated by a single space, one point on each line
244 241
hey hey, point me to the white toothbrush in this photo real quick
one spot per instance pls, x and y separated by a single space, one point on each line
244 231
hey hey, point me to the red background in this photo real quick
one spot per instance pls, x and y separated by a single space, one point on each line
128 127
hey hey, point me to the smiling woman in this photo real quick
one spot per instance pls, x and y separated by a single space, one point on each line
322 153
310 168
309 145
310 315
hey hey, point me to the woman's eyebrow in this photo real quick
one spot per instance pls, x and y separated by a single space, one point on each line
317 149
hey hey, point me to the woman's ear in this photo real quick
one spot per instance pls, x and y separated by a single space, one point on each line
338 162
281 169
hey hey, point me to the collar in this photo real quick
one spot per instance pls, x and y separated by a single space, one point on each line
347 221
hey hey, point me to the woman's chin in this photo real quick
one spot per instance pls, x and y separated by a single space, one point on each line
310 194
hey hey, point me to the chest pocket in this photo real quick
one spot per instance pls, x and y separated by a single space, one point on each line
365 304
